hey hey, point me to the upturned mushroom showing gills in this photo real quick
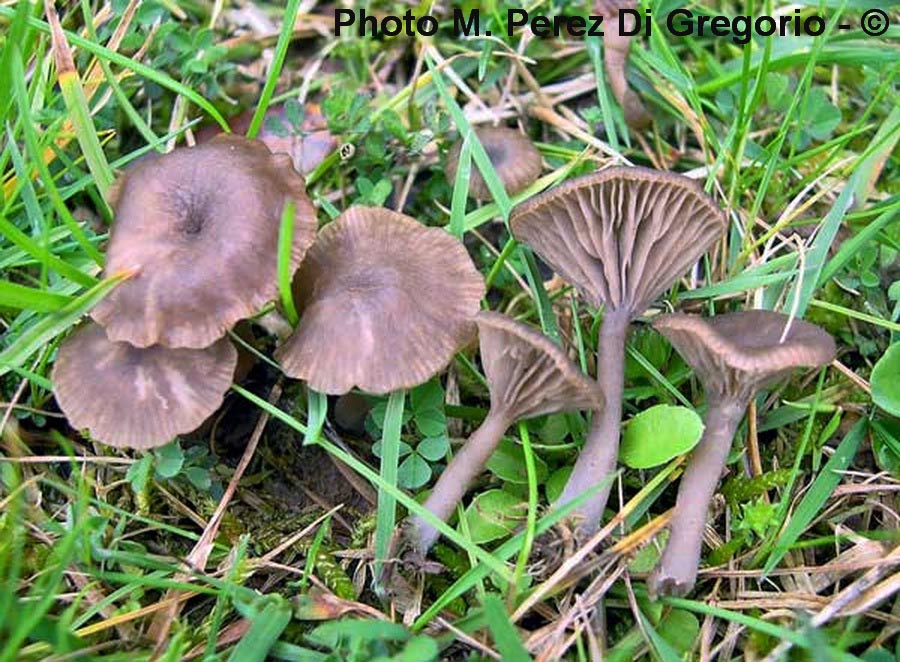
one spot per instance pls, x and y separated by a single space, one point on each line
514 157
386 304
733 355
621 237
200 226
139 397
528 375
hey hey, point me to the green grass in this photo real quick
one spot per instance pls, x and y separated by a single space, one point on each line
795 137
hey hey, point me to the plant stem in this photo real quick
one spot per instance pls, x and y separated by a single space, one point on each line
453 483
601 450
677 570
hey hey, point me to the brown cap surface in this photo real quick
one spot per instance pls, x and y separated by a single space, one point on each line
735 354
622 236
514 157
138 398
385 303
530 375
200 226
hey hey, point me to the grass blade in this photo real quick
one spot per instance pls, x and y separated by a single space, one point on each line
506 638
53 325
267 625
386 514
281 47
818 493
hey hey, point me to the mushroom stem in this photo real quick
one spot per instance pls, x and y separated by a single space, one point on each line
677 570
598 458
453 483
615 56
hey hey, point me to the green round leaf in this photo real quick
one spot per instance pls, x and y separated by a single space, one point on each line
493 514
433 449
556 482
413 472
405 449
886 445
169 460
199 477
508 463
429 395
658 434
886 381
554 429
680 628
431 422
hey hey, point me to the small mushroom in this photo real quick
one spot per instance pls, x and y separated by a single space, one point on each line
133 397
622 237
616 47
514 157
528 375
308 144
200 227
386 303
733 355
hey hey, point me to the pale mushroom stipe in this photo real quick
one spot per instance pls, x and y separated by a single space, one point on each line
733 355
528 375
622 237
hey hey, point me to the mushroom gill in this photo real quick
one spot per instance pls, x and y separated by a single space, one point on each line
528 375
733 355
622 237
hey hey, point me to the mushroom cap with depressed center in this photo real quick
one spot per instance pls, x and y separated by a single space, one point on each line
735 354
514 157
139 397
622 236
385 303
530 375
199 227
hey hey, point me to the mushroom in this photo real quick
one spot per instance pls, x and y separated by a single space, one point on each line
200 227
139 397
528 375
621 237
513 155
733 355
308 144
386 304
615 57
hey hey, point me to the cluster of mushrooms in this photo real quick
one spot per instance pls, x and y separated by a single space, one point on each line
386 303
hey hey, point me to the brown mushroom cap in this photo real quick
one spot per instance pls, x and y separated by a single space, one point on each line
200 226
736 354
530 375
139 398
621 236
386 303
514 157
